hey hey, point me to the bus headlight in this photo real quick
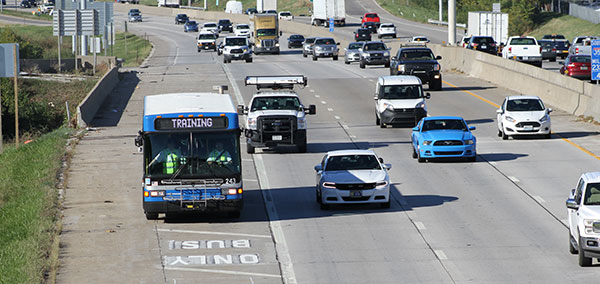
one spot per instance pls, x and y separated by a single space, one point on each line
252 123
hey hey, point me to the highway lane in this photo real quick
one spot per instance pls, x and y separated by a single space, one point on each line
450 222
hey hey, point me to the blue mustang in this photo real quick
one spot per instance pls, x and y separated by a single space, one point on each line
443 136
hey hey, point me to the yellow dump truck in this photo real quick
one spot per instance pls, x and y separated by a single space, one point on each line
266 33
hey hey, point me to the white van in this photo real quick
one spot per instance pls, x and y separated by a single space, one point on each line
399 100
233 7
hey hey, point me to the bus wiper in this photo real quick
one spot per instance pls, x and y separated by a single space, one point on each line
177 172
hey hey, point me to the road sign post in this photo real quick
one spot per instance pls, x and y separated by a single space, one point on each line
331 24
596 60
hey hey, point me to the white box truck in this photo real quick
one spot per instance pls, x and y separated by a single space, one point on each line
323 10
266 5
492 24
168 3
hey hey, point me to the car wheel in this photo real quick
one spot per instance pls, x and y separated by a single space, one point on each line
583 261
436 85
414 153
249 60
386 205
151 216
548 136
504 136
302 147
318 195
324 206
362 64
346 62
387 65
377 120
572 248
249 148
553 59
198 49
499 133
382 125
234 214
419 159
304 54
314 58
335 58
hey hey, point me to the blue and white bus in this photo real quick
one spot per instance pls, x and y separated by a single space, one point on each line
191 148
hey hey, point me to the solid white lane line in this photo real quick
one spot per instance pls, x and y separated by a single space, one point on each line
214 233
223 272
251 179
440 254
248 160
538 199
283 255
514 179
345 126
420 225
353 136
234 85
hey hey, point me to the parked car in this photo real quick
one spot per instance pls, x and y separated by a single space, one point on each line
362 34
583 210
295 40
523 115
443 137
351 177
374 53
286 15
371 26
181 19
241 30
190 26
577 66
370 17
548 50
225 25
386 29
307 46
482 43
325 47
352 52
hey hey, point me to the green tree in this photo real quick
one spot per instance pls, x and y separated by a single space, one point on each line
26 49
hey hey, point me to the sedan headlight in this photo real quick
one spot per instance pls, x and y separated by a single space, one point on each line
469 142
318 48
420 105
301 123
388 106
427 142
386 54
509 118
544 118
400 67
329 184
436 67
381 184
252 123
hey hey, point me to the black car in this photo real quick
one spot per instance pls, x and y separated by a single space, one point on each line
554 37
417 60
371 26
362 35
548 50
225 25
181 19
251 11
483 43
295 41
25 3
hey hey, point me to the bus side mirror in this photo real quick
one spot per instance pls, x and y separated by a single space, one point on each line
312 109
241 110
139 141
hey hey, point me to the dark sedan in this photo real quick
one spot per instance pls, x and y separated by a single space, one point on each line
190 26
483 43
25 3
362 35
181 19
225 25
295 41
548 50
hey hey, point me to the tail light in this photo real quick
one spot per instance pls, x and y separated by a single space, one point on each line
572 65
492 44
540 48
510 49
577 50
475 45
554 49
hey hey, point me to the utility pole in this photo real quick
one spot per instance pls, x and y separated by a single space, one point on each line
451 22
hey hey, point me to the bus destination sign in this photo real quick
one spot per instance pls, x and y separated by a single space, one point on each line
190 123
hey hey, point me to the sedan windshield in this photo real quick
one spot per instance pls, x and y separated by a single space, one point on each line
210 25
524 105
581 59
592 194
207 36
243 27
400 92
444 124
274 103
191 23
296 37
352 162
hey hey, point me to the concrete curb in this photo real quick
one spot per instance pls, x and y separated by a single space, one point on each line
89 106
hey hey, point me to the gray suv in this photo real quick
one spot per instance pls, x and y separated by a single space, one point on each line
307 46
374 53
325 47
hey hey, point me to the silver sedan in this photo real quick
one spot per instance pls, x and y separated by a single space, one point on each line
352 52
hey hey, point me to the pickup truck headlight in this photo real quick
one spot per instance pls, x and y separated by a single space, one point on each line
301 123
469 142
427 142
436 67
386 54
509 118
400 67
318 48
388 106
328 184
366 54
245 49
252 123
277 44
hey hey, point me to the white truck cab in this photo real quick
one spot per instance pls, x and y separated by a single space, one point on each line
583 208
399 100
523 49
277 117
236 48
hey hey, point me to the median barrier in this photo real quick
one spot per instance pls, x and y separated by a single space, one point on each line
87 109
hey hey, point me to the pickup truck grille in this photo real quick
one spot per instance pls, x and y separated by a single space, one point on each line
277 129
237 50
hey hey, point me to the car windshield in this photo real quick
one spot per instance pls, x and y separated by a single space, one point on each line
420 39
364 31
444 124
210 25
235 41
325 41
553 37
266 32
181 16
296 37
399 92
134 13
193 151
424 54
274 103
242 27
522 41
191 23
374 46
207 36
371 16
354 45
581 59
309 40
224 22
483 40
285 14
592 194
524 105
352 162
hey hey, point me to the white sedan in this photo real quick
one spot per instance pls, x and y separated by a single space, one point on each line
523 115
352 176
286 15
241 30
210 27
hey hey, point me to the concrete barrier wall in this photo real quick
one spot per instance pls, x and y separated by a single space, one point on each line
88 108
586 13
562 92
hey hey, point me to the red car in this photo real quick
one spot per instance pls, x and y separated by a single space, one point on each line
370 17
577 66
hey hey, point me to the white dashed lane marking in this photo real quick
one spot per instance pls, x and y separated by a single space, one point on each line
323 102
329 109
337 117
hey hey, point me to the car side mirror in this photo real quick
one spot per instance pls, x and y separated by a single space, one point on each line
550 110
438 57
380 159
318 168
361 18
241 110
472 127
280 33
499 111
571 204
337 43
416 128
388 166
427 95
312 109
375 97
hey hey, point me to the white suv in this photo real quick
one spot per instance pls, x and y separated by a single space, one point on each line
583 207
399 100
386 29
523 115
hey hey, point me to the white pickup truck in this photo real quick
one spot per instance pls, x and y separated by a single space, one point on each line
583 208
523 49
582 45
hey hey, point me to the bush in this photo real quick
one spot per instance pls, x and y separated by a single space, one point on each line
26 49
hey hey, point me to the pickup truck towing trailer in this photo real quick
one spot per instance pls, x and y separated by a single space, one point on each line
523 49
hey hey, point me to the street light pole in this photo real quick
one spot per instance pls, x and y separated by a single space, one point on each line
451 22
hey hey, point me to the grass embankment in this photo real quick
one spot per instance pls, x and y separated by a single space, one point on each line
566 25
406 10
29 208
133 49
28 15
297 7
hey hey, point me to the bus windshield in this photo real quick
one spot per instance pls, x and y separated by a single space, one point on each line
192 155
